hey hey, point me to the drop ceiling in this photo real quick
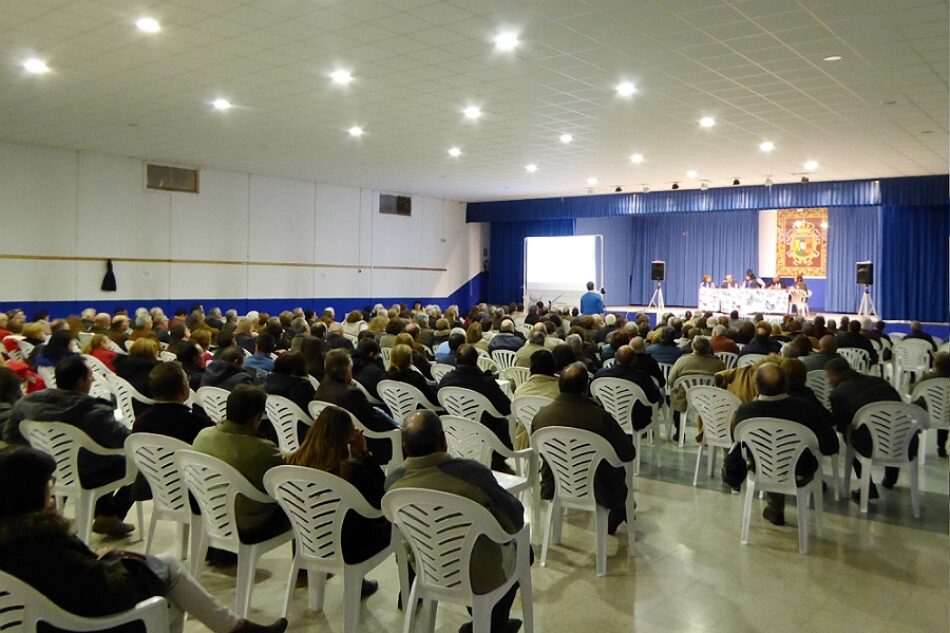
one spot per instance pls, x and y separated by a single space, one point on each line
757 66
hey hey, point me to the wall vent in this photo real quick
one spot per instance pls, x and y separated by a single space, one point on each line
395 205
165 178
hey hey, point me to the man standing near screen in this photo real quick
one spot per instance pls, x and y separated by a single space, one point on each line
591 301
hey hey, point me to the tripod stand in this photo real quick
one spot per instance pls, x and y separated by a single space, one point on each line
656 301
867 309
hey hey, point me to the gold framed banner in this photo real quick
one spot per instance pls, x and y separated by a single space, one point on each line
801 245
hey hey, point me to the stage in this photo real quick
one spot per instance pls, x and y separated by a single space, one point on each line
934 329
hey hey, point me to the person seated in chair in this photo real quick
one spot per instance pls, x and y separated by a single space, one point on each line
401 370
289 379
506 338
853 338
135 366
170 415
227 371
625 367
261 358
701 361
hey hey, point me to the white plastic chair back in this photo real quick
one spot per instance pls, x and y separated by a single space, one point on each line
124 395
610 362
485 363
728 358
470 405
467 439
394 437
22 608
386 353
313 382
167 357
214 401
936 393
26 348
516 375
618 396
944 347
370 397
402 398
716 407
284 416
912 355
573 456
440 369
858 359
316 407
504 357
351 338
128 344
749 359
48 374
154 456
84 337
817 381
524 408
892 426
775 446
896 337
665 368
689 381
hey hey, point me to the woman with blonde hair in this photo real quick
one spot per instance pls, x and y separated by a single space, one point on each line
98 347
136 366
473 336
419 359
354 323
335 446
244 335
378 326
400 369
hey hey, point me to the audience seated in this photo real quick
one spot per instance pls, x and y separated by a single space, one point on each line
535 343
336 340
665 350
761 343
227 371
625 367
506 339
135 366
473 336
428 465
400 369
289 379
419 359
170 415
917 332
245 336
10 392
368 365
190 357
853 338
70 403
58 347
722 343
701 361
261 358
827 350
941 369
574 408
542 381
447 351
119 330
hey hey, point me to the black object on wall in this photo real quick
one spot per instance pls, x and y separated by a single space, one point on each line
108 281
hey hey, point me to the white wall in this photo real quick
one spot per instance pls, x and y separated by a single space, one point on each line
68 204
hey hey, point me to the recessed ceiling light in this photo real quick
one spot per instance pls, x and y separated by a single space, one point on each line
507 41
766 146
356 131
455 152
833 58
148 25
691 173
472 112
811 165
531 168
626 89
341 77
591 182
35 66
707 121
566 138
636 159
221 104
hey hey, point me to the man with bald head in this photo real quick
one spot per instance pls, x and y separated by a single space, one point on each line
101 323
428 465
773 401
646 363
917 331
625 367
574 408
506 338
827 350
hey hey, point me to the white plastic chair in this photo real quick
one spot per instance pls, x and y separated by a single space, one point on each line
516 376
935 392
717 407
775 446
911 356
485 363
351 338
124 395
728 358
470 405
504 357
284 415
686 383
442 530
154 456
402 398
313 382
167 357
610 362
215 486
48 374
214 401
892 426
373 400
317 503
386 353
858 359
749 359
666 368
524 408
817 381
573 456
63 442
394 436
22 608
440 369
618 396
26 348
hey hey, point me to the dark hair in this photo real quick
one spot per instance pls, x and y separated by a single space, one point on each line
563 356
166 380
9 385
394 326
58 345
291 363
224 340
266 343
336 362
456 341
313 350
574 378
421 433
245 403
542 363
24 473
467 355
233 355
368 347
590 285
189 353
70 371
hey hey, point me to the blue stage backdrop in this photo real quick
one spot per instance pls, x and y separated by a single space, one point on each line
913 276
853 236
506 277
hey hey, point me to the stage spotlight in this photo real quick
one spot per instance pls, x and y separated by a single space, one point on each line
735 181
676 185
619 189
804 180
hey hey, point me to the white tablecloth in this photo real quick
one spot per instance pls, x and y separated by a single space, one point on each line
745 300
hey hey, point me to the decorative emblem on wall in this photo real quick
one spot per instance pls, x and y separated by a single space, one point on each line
802 243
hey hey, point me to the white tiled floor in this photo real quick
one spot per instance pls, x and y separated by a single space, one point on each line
888 572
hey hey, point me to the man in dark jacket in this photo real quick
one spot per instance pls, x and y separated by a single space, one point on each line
468 376
506 338
227 371
827 350
368 365
854 338
70 403
336 340
851 391
761 343
573 408
773 401
625 368
337 388
666 351
169 415
646 363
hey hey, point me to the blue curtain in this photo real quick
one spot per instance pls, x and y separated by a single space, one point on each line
506 276
912 278
618 265
853 236
691 244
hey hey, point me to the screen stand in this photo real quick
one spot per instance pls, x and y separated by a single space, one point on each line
867 309
656 301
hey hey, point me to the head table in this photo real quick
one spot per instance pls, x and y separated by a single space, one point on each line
745 300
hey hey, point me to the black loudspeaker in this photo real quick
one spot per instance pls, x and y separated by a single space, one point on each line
864 271
658 270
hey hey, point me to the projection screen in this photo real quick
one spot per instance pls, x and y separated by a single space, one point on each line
557 269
